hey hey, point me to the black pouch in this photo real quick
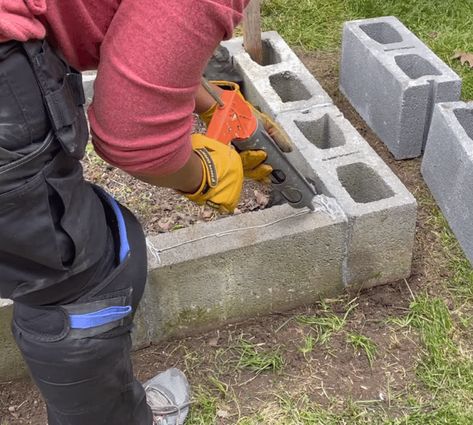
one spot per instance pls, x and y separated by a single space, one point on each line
63 94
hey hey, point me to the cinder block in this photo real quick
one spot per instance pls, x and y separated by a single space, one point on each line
243 266
447 168
11 364
282 83
319 134
381 216
393 80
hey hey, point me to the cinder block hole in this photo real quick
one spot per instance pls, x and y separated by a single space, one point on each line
415 66
288 87
465 118
324 133
382 32
362 183
270 55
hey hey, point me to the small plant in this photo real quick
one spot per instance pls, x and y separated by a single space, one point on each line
328 325
204 408
308 346
401 321
252 357
365 344
221 387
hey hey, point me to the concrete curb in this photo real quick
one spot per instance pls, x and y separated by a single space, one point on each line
447 168
394 80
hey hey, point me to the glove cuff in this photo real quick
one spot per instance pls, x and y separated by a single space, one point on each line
209 175
206 116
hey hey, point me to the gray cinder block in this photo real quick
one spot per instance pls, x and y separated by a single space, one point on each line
319 134
447 168
11 364
254 263
282 83
393 80
381 216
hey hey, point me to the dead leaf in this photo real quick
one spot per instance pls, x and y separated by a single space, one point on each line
207 214
465 58
261 198
223 414
165 224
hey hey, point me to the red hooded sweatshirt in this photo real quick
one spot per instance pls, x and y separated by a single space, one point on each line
149 55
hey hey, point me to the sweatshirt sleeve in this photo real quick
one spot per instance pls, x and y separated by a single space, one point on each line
151 62
19 19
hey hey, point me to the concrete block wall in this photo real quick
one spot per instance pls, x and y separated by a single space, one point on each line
282 83
380 210
394 80
381 217
447 168
361 233
330 152
244 266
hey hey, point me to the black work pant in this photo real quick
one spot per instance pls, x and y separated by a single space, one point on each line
68 251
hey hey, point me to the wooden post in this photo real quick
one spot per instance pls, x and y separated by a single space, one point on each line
252 31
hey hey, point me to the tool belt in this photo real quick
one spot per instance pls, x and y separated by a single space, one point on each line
52 223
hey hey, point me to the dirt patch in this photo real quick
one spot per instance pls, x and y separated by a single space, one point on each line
328 374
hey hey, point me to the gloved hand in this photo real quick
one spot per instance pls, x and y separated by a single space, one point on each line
222 174
273 129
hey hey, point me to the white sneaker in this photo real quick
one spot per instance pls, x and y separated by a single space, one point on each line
168 396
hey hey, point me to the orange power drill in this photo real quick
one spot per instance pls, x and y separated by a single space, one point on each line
234 122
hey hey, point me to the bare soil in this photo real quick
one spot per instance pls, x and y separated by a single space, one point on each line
331 373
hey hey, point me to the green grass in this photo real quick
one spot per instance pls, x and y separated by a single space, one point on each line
461 284
327 325
204 407
445 26
308 345
445 368
363 344
257 358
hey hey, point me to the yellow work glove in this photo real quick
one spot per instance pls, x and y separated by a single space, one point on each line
273 129
222 174
254 167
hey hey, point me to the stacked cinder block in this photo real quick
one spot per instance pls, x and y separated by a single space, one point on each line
282 83
447 168
244 266
329 151
394 80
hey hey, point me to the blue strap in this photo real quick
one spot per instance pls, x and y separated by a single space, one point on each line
99 318
124 244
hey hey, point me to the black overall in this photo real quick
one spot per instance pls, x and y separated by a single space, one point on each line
71 258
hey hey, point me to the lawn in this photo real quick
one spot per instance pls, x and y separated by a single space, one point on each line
445 26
